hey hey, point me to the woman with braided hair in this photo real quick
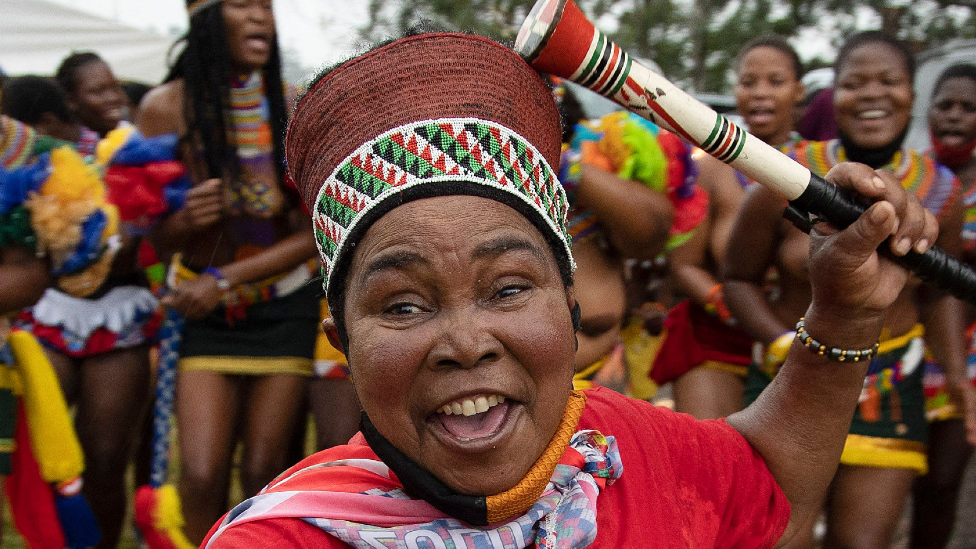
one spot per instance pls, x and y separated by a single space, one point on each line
240 263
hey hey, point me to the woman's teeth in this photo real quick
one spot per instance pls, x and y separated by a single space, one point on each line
873 115
471 406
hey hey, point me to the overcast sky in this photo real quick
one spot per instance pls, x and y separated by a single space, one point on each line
321 31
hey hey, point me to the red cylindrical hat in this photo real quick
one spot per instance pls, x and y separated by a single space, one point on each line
428 115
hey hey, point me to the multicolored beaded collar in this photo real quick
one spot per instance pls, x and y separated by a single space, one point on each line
16 142
932 183
255 191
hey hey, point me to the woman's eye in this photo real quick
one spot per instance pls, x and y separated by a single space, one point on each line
510 291
403 309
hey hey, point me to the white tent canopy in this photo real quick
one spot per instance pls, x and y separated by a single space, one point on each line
35 35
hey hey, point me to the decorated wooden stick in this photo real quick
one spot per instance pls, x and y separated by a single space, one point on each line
558 39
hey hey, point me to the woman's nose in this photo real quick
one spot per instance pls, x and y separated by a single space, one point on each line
465 340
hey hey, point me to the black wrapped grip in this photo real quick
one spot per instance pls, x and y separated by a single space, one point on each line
935 267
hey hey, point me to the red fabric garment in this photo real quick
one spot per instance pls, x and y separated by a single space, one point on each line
30 496
694 336
686 483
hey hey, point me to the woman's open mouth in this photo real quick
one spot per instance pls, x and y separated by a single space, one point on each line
258 43
952 138
760 116
473 419
872 115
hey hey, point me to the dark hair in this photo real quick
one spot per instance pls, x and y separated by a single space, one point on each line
27 98
204 65
135 91
876 37
777 43
67 74
571 112
959 70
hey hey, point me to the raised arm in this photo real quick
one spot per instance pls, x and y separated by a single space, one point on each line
756 235
161 112
637 218
800 422
689 262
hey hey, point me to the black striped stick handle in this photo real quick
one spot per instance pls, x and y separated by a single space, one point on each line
935 267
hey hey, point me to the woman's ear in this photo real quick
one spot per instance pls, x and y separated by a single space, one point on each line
574 308
331 332
799 93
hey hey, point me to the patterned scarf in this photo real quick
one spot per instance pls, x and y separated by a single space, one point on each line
255 191
359 500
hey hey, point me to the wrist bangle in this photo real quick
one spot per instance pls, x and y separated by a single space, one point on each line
222 283
833 353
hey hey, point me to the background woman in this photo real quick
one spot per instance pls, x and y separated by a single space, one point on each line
613 216
886 447
94 95
952 125
767 91
242 278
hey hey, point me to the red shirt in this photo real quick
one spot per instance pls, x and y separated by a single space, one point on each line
686 483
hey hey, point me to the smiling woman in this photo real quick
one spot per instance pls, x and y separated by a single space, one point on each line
447 265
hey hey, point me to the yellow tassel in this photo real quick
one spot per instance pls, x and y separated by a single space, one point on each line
169 517
107 147
52 435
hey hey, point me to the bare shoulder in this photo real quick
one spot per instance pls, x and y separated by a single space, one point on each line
714 175
161 110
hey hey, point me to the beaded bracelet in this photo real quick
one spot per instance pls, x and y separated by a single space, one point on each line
833 353
222 283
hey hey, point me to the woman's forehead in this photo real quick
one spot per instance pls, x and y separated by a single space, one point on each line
873 57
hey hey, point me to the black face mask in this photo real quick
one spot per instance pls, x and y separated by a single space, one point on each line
876 158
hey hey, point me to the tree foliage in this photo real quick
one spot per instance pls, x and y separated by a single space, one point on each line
695 42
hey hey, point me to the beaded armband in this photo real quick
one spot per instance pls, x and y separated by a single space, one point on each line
222 283
833 353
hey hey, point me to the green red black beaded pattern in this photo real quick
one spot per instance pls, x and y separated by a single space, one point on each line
458 149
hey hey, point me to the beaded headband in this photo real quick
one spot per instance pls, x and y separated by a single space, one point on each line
424 116
447 156
199 5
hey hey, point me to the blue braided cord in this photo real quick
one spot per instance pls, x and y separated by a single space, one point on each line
169 354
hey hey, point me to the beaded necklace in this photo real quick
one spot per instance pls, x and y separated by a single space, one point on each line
16 142
87 142
255 192
933 184
969 223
